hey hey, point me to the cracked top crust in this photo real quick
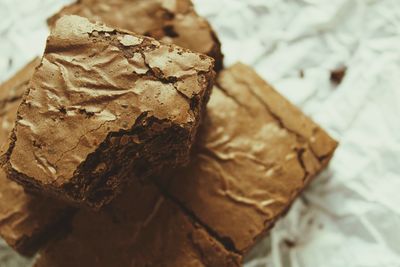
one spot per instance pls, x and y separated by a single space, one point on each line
94 80
23 217
140 228
11 92
254 155
172 21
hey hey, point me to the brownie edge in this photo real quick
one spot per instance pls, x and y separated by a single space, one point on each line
27 220
256 152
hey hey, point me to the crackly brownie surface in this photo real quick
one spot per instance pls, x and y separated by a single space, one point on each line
105 104
11 92
170 21
255 153
25 219
140 228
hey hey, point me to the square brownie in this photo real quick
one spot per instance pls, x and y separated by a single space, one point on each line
104 107
140 228
26 220
255 153
169 21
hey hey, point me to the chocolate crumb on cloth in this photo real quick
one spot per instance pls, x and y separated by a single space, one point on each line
255 153
105 107
26 220
338 74
141 228
173 21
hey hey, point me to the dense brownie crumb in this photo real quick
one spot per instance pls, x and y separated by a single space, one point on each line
338 74
301 74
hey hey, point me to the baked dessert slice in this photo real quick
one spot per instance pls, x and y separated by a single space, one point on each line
105 107
255 153
140 228
26 220
170 21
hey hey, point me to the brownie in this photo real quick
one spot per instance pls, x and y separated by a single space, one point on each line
105 107
141 228
26 220
170 21
255 153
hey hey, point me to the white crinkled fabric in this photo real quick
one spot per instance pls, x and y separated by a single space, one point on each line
350 216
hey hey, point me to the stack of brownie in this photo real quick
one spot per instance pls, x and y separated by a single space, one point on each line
129 144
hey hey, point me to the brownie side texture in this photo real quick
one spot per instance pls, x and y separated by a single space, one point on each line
169 21
26 220
255 153
105 107
140 229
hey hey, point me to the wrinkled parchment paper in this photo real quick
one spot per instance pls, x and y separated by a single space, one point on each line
350 216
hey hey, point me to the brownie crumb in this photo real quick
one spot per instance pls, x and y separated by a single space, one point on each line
338 74
289 243
301 73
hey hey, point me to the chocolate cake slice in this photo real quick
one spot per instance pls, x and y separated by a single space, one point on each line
105 107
